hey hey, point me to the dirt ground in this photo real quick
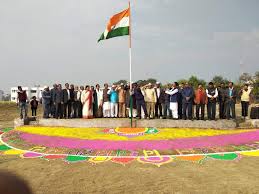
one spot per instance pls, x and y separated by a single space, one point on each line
178 177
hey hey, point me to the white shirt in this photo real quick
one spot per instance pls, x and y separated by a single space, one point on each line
158 92
210 96
68 94
172 91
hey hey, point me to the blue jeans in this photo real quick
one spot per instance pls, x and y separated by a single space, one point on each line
187 107
167 110
23 110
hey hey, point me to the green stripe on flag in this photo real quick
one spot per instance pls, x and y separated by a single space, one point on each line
123 31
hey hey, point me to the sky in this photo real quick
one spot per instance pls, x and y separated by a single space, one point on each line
55 41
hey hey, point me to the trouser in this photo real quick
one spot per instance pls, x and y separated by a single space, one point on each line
141 103
114 109
67 109
198 108
76 109
134 112
167 110
244 105
180 110
98 111
222 110
52 109
106 109
59 110
174 108
211 109
159 107
34 112
80 109
23 110
150 109
46 110
230 106
187 107
122 109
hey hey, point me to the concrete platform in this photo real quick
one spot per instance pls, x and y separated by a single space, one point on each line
112 123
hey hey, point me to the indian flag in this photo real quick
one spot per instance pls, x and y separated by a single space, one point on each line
118 25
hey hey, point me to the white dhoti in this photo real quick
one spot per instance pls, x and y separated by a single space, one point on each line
134 112
114 109
174 108
106 109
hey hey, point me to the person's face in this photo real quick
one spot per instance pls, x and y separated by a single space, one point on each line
47 89
72 86
222 85
210 86
67 86
158 85
81 87
186 85
20 89
97 86
76 88
230 85
86 88
106 86
150 86
200 87
92 88
246 87
174 85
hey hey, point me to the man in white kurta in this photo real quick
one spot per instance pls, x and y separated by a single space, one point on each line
173 100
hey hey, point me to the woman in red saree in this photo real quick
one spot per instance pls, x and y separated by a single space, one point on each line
87 101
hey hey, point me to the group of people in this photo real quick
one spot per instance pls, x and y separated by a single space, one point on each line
174 101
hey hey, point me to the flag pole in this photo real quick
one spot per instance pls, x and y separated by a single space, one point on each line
130 68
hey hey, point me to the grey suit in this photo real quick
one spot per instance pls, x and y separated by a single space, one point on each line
230 103
58 102
46 98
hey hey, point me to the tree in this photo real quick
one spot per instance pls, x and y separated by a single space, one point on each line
145 82
121 81
194 81
245 77
218 79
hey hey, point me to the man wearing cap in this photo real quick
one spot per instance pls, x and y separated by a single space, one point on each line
122 100
114 101
150 99
106 102
160 103
173 100
46 99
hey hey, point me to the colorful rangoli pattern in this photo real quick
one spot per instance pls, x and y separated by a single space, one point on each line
126 145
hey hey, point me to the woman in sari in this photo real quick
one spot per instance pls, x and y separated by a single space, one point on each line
87 100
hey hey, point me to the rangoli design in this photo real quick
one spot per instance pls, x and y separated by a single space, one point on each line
155 146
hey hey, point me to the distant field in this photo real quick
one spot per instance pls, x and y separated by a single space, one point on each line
9 111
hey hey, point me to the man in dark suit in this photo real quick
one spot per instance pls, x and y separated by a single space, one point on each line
58 102
67 101
160 103
231 95
221 100
187 94
52 106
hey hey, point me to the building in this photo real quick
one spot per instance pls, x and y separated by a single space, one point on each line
31 91
1 95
